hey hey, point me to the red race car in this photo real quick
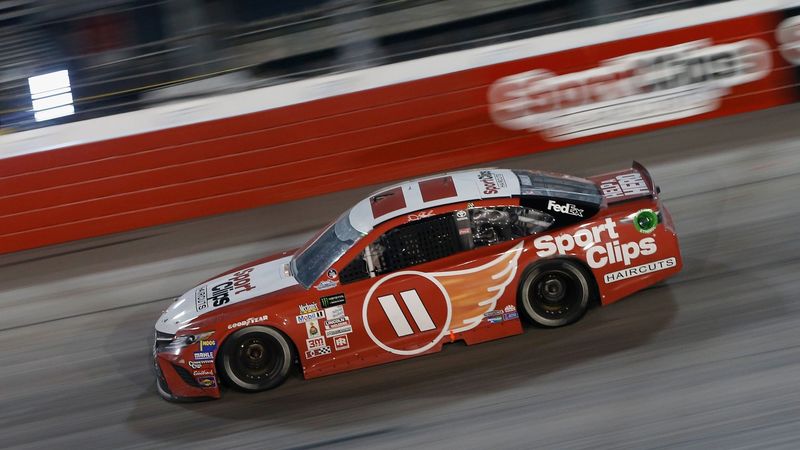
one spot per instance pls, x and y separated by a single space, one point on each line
459 256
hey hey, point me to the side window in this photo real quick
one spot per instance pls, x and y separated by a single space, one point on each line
406 245
503 223
440 236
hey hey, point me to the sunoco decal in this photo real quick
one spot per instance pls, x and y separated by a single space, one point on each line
629 91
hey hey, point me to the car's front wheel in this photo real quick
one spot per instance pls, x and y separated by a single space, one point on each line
554 293
255 359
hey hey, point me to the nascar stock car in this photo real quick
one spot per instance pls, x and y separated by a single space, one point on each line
460 256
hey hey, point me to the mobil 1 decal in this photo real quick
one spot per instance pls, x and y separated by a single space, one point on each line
787 35
409 312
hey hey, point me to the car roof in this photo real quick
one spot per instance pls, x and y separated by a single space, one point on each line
423 193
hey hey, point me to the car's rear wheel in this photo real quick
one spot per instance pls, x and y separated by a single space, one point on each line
554 293
255 359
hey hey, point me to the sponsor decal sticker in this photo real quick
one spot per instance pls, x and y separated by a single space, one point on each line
197 364
236 284
510 316
318 352
333 274
645 221
200 300
203 356
495 319
208 345
624 185
316 342
628 91
597 254
491 182
644 269
333 332
493 313
510 308
204 372
336 312
248 321
332 300
312 329
308 308
341 343
303 318
338 322
207 382
325 285
567 208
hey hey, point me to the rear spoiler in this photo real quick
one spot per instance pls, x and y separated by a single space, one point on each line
628 184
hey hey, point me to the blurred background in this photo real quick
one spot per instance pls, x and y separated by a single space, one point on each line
90 58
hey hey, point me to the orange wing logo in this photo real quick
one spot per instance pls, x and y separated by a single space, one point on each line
409 312
473 292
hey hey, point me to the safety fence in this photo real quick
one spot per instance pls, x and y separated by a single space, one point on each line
315 136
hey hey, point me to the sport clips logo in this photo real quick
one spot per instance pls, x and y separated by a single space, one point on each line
598 254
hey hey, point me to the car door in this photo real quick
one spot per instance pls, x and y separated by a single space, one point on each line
420 281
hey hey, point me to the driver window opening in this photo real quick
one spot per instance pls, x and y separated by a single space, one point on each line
440 236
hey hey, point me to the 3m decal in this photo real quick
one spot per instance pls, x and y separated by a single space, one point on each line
591 239
315 343
409 312
636 271
248 321
332 300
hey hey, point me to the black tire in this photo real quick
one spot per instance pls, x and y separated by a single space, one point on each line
255 359
554 293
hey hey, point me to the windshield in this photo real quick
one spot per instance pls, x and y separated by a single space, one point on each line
319 254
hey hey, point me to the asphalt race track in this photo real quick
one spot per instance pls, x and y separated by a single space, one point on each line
710 359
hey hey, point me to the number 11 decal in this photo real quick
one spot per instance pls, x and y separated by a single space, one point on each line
398 320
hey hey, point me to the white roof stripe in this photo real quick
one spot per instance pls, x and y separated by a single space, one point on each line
475 184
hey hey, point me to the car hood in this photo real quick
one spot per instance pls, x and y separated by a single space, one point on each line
234 287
